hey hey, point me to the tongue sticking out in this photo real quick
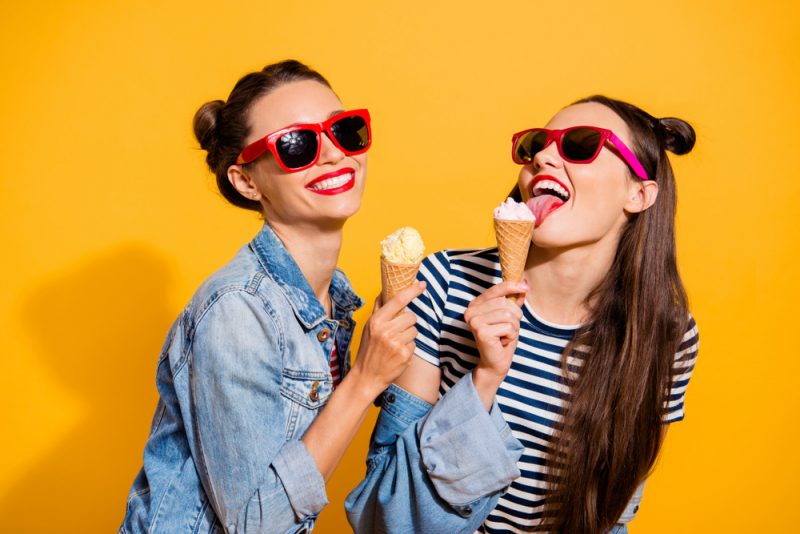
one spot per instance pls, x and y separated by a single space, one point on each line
544 205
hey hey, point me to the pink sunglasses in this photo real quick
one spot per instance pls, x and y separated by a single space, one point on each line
578 144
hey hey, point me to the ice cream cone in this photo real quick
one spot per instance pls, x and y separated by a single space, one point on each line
396 277
513 242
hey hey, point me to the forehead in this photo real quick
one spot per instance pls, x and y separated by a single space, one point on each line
305 101
589 114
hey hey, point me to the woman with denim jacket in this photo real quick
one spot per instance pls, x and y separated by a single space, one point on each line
546 412
240 441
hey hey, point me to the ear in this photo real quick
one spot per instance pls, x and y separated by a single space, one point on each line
243 183
641 195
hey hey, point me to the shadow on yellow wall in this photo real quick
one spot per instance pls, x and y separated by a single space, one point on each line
98 328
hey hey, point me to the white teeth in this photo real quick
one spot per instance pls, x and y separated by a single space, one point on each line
332 183
551 185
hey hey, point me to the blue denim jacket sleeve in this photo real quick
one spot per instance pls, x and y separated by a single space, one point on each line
256 480
437 469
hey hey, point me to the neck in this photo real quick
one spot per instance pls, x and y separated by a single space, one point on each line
316 252
561 280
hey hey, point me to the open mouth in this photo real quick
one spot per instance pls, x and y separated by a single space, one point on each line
333 183
547 195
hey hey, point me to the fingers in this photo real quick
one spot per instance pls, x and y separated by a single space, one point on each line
502 333
508 313
505 289
483 306
407 335
397 303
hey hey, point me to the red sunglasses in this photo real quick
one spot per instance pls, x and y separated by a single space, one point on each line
579 144
298 147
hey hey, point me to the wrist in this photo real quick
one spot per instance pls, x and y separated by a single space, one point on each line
486 384
362 388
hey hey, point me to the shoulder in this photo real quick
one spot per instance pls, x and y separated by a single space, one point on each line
468 269
462 255
240 285
691 337
449 261
686 355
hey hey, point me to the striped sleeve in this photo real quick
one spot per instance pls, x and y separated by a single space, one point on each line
429 306
682 366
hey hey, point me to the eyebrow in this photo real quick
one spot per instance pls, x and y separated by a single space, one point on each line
331 114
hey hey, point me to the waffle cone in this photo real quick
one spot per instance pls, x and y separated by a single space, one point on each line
396 277
513 242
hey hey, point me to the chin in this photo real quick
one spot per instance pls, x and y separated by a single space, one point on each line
342 211
555 237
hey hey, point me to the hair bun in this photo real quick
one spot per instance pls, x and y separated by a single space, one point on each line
205 124
678 135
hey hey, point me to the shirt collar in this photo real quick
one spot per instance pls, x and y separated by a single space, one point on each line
280 265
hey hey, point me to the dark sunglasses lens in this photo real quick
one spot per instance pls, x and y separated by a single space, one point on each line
528 145
351 133
581 144
298 148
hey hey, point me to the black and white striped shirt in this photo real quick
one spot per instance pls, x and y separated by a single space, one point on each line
532 396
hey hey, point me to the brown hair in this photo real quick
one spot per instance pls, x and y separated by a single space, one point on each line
221 127
611 433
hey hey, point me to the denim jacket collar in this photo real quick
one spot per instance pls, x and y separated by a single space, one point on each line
280 265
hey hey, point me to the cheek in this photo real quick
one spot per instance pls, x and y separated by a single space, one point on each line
523 182
361 165
603 187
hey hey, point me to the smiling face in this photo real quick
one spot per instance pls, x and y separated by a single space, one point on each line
328 192
583 203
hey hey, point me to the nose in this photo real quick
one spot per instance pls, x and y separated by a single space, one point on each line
329 152
547 157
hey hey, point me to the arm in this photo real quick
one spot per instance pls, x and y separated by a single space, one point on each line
426 471
421 379
255 480
440 468
387 346
434 469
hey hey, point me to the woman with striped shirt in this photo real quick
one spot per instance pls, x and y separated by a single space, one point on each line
546 412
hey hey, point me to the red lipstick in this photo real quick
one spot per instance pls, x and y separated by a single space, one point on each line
346 186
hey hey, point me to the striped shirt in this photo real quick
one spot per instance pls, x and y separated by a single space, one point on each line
531 396
336 373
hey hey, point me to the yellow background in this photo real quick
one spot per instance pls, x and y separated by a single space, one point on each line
109 220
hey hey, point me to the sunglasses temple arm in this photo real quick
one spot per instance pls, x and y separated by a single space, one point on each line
253 151
630 157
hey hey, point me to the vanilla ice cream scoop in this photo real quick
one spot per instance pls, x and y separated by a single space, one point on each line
511 210
403 246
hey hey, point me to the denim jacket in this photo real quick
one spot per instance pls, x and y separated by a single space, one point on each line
434 469
438 469
243 373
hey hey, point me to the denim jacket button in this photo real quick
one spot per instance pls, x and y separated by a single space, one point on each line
466 511
314 395
390 398
323 334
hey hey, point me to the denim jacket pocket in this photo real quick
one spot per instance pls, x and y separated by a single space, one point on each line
307 392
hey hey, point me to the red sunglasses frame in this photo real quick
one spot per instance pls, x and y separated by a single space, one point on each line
256 149
605 135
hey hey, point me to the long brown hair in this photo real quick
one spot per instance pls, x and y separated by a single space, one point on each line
221 127
611 431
